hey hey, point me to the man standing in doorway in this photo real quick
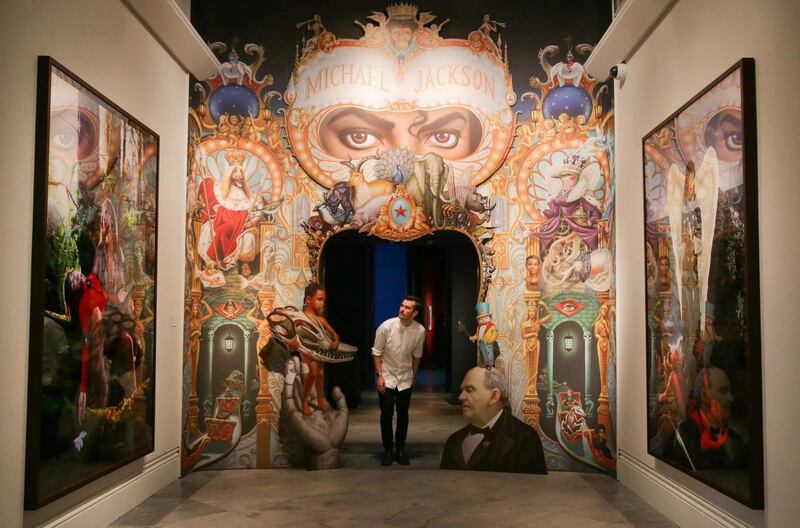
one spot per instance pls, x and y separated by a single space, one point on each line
397 352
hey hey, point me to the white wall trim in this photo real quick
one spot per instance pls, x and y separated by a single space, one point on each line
627 31
670 498
167 22
107 507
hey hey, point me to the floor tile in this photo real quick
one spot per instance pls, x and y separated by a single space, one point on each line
363 493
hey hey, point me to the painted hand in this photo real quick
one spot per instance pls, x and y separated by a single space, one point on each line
323 432
78 440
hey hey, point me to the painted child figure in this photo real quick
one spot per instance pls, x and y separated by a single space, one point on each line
486 336
314 310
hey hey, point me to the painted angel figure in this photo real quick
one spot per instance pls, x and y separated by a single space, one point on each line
692 204
489 26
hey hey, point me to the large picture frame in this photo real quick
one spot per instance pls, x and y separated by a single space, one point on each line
91 375
703 320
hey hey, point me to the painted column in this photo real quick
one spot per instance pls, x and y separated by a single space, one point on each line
265 412
531 330
247 335
195 331
551 398
210 398
588 404
603 331
653 370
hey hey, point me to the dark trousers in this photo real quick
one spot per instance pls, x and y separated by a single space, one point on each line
391 400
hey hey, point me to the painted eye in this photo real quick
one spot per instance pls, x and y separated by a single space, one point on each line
443 139
733 141
64 139
359 139
75 132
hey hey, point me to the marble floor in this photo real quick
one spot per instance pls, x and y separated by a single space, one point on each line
363 493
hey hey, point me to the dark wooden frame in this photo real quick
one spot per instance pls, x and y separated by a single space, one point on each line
751 284
45 67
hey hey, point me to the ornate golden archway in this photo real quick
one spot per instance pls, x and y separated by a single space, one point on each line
318 238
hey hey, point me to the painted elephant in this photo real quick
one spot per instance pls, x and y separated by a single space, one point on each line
427 186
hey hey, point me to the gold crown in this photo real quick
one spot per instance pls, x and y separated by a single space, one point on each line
402 11
234 156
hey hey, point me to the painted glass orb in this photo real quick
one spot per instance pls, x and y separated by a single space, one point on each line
233 99
568 99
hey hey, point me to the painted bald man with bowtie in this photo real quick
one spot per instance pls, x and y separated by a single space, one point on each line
494 440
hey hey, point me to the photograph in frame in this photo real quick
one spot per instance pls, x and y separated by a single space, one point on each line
701 256
91 385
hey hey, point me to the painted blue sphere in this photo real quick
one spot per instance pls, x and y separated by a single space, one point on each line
233 99
568 99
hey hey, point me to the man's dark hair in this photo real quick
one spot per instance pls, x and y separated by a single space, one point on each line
416 300
312 289
601 427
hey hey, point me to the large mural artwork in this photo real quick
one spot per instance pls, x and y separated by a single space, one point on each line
396 132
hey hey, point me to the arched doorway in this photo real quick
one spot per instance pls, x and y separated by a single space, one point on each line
367 277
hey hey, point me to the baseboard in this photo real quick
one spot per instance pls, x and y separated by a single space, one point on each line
679 504
115 502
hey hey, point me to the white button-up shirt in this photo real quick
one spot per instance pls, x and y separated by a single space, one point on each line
397 344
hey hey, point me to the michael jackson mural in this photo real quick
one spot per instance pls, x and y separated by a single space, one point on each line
389 127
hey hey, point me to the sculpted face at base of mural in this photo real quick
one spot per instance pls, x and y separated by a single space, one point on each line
399 133
493 440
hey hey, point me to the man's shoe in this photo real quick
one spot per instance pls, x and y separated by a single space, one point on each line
401 458
387 458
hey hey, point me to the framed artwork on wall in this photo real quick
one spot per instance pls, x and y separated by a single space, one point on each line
91 375
703 323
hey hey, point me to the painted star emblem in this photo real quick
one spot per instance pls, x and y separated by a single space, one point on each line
400 211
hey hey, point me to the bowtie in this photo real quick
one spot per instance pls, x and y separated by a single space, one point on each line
478 430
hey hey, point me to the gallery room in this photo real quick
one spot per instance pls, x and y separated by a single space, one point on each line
399 264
